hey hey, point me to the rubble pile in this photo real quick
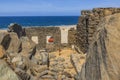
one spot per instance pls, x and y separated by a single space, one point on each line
21 60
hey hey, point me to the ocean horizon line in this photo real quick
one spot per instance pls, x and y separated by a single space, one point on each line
39 16
38 21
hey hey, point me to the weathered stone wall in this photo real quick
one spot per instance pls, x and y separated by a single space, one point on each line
42 32
72 36
102 61
87 25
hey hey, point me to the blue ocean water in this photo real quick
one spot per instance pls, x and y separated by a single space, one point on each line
38 21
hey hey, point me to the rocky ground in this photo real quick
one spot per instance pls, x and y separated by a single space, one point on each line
64 63
20 60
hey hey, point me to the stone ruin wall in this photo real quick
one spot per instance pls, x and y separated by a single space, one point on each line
42 32
72 36
87 25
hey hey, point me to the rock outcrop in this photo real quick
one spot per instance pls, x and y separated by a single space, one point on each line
103 57
6 73
13 27
5 39
15 43
28 47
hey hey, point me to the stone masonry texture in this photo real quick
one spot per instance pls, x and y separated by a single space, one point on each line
87 25
55 32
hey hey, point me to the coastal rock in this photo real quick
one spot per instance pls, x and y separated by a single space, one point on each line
5 39
2 51
15 44
102 61
13 27
6 73
28 47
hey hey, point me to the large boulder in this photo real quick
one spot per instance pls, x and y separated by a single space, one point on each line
21 62
6 73
13 27
15 43
103 57
28 47
5 39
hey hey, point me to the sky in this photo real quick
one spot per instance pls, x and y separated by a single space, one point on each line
51 7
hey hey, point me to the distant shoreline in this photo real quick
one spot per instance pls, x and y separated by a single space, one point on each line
49 26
